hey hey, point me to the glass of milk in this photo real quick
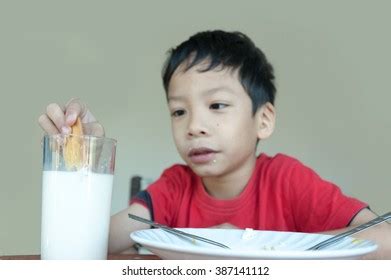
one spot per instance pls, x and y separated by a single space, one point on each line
76 200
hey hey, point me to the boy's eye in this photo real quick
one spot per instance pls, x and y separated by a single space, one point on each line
177 113
217 106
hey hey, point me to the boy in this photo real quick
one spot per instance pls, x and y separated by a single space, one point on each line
220 93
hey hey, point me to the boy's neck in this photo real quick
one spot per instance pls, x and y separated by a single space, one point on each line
232 184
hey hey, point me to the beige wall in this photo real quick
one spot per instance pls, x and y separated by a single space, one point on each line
331 58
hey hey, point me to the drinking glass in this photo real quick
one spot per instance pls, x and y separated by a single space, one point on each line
76 197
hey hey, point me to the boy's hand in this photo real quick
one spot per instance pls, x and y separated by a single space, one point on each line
59 119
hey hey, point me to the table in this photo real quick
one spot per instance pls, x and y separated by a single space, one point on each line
110 257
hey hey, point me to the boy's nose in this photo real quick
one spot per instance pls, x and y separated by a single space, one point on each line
196 127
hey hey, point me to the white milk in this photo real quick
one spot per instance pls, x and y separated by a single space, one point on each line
75 215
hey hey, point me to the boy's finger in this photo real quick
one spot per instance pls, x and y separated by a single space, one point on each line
56 115
94 128
47 125
73 110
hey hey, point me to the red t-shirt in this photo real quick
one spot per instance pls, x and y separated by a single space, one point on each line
282 194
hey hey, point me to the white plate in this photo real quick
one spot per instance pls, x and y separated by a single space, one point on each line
254 244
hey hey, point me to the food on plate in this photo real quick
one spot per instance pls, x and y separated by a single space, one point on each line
357 241
248 234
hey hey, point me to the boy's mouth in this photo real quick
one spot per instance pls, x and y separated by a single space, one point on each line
201 155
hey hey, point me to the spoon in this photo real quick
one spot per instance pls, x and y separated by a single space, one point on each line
338 237
177 232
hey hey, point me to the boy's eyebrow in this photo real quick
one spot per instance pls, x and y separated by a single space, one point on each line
207 92
218 89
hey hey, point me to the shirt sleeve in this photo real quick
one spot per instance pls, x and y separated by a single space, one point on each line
319 205
144 198
162 196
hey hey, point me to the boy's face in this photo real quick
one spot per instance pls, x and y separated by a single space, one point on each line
213 126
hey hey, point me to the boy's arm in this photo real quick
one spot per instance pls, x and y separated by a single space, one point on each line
121 227
380 234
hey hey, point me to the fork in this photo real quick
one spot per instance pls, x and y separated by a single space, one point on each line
338 237
177 232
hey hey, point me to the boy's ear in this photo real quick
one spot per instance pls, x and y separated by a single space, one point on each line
266 118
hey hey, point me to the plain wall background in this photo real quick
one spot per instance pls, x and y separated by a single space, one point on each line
331 60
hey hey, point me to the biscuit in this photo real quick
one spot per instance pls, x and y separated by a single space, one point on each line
73 149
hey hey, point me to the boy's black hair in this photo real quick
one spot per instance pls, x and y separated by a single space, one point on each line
227 49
